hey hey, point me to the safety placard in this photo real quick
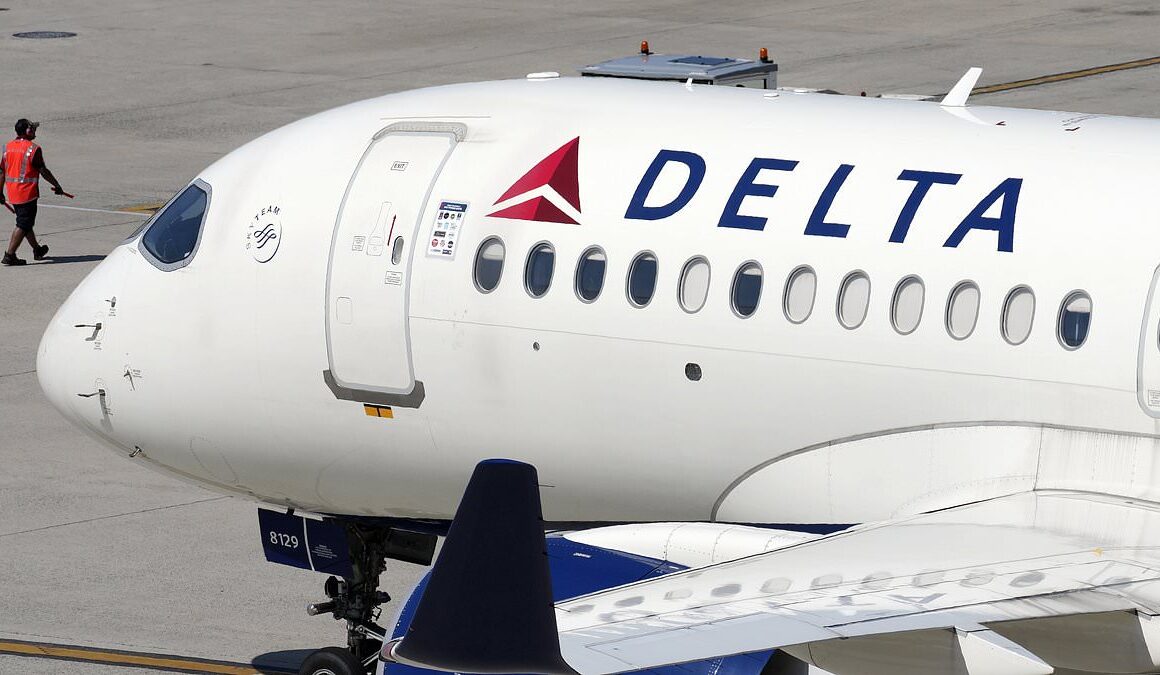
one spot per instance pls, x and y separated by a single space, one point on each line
446 228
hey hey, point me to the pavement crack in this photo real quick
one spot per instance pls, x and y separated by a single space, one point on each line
114 515
23 372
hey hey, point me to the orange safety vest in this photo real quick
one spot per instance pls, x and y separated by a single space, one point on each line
21 178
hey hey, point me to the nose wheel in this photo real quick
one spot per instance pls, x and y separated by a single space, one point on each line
332 661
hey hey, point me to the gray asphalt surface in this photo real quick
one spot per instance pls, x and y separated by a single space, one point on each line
27 666
97 551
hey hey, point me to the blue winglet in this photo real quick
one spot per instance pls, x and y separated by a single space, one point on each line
488 605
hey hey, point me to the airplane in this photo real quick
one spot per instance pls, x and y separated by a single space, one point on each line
837 383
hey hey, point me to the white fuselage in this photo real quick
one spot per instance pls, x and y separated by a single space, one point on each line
789 422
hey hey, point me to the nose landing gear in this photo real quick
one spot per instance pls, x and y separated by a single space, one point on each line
357 599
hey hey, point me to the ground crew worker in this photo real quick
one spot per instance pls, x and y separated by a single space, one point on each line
22 165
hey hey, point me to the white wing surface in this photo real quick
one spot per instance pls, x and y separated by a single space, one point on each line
1019 584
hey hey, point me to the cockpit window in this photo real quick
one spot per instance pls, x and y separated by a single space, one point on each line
173 236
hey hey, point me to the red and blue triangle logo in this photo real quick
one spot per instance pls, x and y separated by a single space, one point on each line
559 171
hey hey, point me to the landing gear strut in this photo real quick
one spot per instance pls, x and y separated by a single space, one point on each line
356 600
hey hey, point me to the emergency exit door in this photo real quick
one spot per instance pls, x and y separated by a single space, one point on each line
1148 374
371 257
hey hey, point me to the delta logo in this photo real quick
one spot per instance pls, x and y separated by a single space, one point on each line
541 192
550 193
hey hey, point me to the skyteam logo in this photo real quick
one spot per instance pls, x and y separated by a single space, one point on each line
549 192
265 233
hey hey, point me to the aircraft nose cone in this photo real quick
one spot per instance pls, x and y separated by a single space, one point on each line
74 354
59 361
48 372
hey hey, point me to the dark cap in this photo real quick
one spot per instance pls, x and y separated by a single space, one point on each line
23 125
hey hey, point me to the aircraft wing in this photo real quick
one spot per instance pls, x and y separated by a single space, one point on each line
1009 585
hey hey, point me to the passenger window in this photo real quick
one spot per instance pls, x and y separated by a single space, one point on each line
853 299
1018 315
397 251
173 236
590 274
906 306
747 289
800 288
963 310
642 279
694 285
1075 315
489 264
538 273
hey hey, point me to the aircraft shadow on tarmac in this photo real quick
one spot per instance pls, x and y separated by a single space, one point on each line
280 663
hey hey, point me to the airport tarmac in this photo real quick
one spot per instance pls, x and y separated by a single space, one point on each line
97 552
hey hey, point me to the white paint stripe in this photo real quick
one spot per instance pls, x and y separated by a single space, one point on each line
306 542
81 208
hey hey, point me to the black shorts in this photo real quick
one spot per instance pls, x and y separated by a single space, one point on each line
25 215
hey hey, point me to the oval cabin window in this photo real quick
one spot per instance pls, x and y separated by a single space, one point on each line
1018 315
538 272
853 299
489 264
642 279
963 310
800 289
906 306
590 274
746 289
1075 315
694 286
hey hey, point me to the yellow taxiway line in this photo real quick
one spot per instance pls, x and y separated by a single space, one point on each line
1070 75
179 664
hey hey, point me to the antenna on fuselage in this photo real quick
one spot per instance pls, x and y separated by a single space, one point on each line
957 96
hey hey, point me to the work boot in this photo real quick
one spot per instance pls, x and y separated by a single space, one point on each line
11 259
39 252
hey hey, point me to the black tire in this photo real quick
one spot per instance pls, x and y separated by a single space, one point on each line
331 661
